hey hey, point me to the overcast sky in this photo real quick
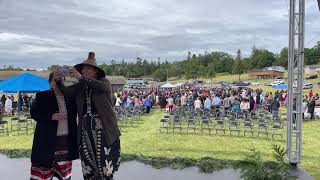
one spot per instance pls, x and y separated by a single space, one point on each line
39 33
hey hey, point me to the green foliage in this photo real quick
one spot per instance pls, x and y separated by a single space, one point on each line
238 65
16 153
282 59
206 164
255 168
279 153
10 68
261 58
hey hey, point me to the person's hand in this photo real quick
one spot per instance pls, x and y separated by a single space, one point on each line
75 73
58 116
57 76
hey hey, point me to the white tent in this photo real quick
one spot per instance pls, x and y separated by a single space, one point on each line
179 84
168 85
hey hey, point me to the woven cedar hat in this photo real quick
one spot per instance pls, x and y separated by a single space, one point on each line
91 61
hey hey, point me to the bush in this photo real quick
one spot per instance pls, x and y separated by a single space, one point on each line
254 168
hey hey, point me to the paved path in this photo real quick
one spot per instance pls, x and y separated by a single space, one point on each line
18 169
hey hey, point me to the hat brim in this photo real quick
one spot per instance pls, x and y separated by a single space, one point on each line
100 72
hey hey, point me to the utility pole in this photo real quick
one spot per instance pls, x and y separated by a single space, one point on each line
295 74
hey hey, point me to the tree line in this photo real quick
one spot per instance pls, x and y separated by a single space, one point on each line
205 65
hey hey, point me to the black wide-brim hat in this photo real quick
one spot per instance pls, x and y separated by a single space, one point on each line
91 61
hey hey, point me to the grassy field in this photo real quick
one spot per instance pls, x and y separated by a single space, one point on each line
146 140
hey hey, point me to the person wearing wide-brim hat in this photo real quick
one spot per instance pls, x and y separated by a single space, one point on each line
98 132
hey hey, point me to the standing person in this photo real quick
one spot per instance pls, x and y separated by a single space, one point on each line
216 102
163 102
157 100
183 101
252 103
244 105
8 106
20 102
118 102
3 100
98 132
310 93
258 97
197 104
190 102
177 102
170 103
311 106
274 108
55 138
227 102
207 104
147 104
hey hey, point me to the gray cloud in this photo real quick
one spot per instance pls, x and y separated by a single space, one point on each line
37 34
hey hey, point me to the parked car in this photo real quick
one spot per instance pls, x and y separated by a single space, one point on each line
241 83
255 83
312 77
275 82
306 85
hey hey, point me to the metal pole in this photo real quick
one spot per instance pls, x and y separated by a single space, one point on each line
295 80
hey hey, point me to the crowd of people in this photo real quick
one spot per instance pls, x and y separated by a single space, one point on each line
241 98
8 105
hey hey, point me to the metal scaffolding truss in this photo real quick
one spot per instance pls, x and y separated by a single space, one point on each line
295 80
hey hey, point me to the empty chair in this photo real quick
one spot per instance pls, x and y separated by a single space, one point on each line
22 125
262 129
191 123
136 116
121 120
14 122
234 127
130 118
248 128
206 113
277 129
262 121
176 123
205 123
220 125
164 124
31 122
4 126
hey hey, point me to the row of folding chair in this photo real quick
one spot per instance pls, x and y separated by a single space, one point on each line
220 124
22 123
128 117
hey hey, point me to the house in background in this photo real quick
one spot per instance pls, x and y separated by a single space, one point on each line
267 73
117 82
312 69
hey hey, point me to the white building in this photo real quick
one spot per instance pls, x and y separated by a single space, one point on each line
312 69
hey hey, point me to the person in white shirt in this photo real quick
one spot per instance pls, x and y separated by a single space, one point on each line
118 102
8 106
207 104
197 104
244 105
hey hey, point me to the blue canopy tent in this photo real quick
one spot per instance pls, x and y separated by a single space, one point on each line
24 83
280 86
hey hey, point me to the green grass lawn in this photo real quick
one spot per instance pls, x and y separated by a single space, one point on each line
146 140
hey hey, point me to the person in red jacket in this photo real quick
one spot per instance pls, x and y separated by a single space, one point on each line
310 94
